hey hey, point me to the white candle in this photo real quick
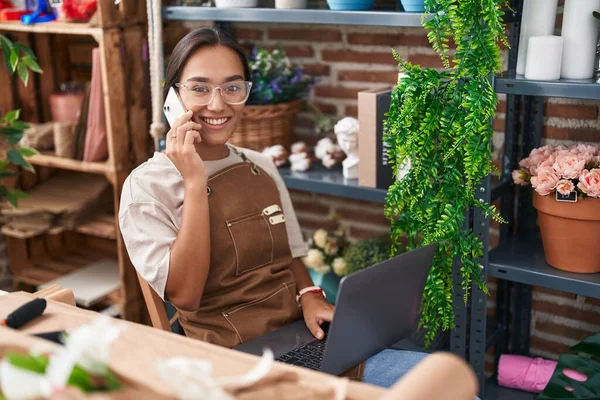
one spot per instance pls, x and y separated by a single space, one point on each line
538 18
580 32
544 58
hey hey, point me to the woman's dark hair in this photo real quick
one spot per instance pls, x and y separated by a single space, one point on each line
197 39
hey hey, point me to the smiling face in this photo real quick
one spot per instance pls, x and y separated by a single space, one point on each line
217 65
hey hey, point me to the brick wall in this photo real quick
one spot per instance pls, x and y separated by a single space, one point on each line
349 59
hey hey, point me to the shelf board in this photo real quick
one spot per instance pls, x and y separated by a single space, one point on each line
53 161
493 391
44 270
522 260
304 16
66 28
330 181
102 226
577 89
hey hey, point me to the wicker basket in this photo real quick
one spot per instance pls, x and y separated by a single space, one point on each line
263 126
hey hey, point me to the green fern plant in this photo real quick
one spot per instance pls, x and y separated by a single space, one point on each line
439 124
20 59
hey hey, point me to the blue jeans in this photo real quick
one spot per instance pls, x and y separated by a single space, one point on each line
387 367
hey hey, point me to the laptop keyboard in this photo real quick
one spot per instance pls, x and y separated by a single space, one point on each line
309 356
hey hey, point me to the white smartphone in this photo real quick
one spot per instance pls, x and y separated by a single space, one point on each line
173 107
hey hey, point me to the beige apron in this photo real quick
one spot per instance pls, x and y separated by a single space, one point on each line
250 289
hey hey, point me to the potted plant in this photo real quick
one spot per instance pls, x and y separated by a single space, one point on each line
18 58
566 183
324 260
439 125
270 113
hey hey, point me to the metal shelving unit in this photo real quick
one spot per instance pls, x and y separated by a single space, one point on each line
331 182
522 260
497 392
518 262
577 89
306 16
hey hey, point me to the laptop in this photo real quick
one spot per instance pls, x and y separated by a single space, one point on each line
375 308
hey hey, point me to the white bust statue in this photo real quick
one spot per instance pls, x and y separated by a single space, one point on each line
346 131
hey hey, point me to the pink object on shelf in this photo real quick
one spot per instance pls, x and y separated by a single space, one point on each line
96 148
529 374
524 373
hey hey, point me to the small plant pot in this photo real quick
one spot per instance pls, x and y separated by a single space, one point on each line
570 233
413 5
291 4
329 282
350 5
236 3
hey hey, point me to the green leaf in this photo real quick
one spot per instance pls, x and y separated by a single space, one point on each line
27 151
15 138
590 345
5 48
23 73
112 382
10 131
80 378
14 59
32 363
20 125
12 199
7 174
16 158
24 49
31 64
12 116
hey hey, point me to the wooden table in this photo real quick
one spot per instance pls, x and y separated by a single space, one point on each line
139 347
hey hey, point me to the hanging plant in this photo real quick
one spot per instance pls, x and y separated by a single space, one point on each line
438 128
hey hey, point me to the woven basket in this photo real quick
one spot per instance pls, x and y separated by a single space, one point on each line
263 126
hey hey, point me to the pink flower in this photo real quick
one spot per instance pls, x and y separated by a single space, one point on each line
586 148
569 166
521 177
565 187
589 182
545 181
547 163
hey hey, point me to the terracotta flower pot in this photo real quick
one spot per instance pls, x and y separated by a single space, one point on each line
570 233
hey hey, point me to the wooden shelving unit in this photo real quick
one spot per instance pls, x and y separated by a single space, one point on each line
119 32
52 161
67 28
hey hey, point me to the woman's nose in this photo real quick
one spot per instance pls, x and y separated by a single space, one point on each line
217 104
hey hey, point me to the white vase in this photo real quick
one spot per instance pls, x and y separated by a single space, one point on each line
538 19
236 3
580 33
289 4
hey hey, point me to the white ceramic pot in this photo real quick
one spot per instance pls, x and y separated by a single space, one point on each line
236 3
288 4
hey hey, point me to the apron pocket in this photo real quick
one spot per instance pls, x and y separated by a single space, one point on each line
258 317
252 241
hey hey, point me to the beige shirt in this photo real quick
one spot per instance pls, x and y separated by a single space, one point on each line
151 207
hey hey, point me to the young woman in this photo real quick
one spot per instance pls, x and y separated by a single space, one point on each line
211 227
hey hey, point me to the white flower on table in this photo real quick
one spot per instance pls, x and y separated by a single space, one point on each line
314 259
340 267
87 346
320 238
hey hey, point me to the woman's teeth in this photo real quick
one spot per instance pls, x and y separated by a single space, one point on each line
215 121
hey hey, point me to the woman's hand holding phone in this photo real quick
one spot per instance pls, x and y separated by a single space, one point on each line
181 150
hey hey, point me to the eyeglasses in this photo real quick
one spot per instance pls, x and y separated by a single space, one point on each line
202 93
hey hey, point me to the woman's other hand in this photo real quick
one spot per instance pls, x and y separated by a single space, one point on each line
316 310
182 151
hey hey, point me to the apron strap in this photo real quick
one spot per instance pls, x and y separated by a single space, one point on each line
255 169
